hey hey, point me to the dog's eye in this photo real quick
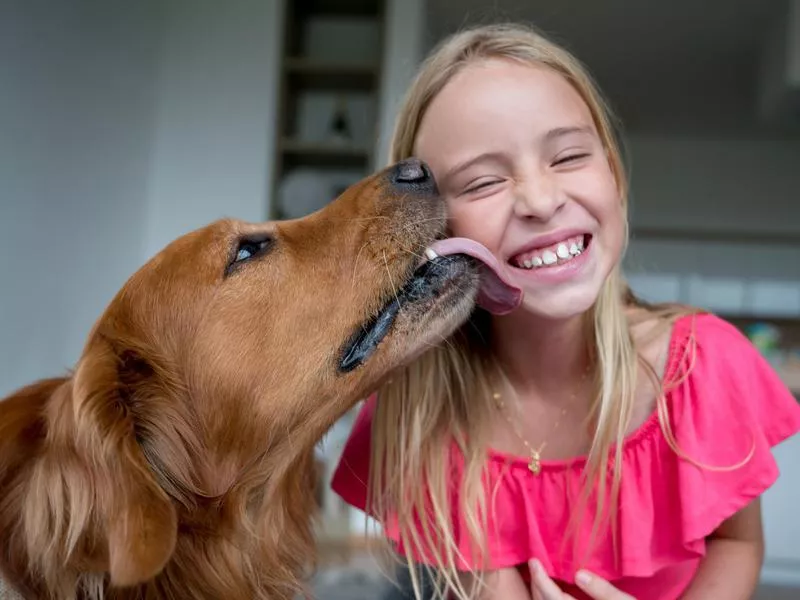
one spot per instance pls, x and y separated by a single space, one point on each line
249 248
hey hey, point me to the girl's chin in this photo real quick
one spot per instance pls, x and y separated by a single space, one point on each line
558 305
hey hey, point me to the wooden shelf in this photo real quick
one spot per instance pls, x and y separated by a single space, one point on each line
349 8
316 74
716 235
322 154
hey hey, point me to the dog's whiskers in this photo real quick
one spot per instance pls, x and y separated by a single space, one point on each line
391 280
355 263
421 221
416 255
387 218
372 218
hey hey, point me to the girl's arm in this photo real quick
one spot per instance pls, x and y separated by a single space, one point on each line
731 567
502 584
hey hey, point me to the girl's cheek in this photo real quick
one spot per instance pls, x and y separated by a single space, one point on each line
479 225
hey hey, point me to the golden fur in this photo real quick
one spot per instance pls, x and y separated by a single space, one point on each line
176 461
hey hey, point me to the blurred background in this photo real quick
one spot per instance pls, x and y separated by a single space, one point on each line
125 124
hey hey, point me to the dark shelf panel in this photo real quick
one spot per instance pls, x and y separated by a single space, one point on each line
348 8
311 73
711 235
297 153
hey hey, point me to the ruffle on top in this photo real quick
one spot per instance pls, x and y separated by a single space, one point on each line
727 409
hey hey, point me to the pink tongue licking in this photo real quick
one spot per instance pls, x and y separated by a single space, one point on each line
497 294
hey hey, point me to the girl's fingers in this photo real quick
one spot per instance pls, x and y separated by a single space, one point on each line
542 587
598 588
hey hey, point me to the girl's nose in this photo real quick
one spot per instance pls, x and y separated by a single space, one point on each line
538 198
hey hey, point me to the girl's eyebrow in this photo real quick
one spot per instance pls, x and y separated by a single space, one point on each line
562 131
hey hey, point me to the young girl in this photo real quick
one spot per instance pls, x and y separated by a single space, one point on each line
586 445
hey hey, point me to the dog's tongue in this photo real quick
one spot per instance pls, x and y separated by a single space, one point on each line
497 294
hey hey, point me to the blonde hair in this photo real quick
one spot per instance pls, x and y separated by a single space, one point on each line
445 397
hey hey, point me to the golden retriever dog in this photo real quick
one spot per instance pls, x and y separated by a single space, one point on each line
176 460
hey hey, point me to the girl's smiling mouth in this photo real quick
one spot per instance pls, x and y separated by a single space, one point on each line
561 260
552 254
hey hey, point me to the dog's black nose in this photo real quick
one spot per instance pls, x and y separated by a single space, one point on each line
413 175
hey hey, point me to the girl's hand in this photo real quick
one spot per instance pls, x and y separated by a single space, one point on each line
544 588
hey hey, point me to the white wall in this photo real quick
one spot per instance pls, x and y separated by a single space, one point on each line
122 125
217 100
403 50
77 110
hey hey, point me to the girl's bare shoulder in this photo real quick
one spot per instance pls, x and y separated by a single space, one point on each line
651 333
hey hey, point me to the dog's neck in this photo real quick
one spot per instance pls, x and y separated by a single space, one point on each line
252 515
258 535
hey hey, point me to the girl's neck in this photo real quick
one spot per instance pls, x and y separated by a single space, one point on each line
540 356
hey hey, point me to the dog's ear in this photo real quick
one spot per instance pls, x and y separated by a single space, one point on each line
21 425
22 431
110 390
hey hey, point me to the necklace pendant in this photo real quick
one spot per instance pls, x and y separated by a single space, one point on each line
535 464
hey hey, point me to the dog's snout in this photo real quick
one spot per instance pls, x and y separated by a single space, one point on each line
413 175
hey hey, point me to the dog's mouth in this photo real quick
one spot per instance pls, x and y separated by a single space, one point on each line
448 266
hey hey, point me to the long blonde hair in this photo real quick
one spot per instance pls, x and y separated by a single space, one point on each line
445 397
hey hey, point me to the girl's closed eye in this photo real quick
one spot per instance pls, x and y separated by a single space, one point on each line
571 158
483 184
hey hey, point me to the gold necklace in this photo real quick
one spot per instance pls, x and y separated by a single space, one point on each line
535 462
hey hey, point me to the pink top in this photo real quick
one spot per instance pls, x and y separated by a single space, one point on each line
730 404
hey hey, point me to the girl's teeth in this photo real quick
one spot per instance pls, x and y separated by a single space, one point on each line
566 250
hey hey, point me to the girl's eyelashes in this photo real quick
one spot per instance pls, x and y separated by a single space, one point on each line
479 185
571 158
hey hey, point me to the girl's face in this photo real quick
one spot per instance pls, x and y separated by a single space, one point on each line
517 158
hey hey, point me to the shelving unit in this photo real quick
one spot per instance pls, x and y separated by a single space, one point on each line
330 74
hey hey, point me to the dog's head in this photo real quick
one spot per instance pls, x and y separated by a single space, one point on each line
279 327
237 345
